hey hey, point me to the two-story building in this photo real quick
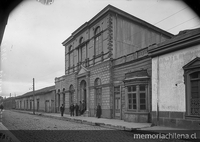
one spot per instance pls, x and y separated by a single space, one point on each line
107 62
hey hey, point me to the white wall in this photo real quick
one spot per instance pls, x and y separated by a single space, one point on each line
168 86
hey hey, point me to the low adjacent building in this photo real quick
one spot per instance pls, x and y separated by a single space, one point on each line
44 100
176 81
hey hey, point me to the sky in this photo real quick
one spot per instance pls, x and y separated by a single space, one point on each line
32 43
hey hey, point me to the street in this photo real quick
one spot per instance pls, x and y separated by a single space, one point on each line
35 128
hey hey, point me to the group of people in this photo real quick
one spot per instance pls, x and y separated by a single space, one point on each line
80 109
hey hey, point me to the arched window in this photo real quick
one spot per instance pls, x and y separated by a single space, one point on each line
70 56
81 40
71 94
82 49
98 91
97 41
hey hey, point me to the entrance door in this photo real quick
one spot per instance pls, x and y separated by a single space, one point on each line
30 105
98 96
117 103
71 94
47 106
38 104
84 93
52 105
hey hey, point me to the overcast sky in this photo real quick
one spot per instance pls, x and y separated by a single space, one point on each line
31 46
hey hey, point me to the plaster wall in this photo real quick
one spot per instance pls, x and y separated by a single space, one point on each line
168 88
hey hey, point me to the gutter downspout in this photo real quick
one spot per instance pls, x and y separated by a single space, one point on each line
158 91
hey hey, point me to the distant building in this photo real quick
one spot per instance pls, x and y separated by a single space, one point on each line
1 99
44 100
9 103
176 81
107 62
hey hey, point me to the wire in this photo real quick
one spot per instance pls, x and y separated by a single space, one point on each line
182 23
170 15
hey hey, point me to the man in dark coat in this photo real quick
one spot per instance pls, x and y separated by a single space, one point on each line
76 109
62 109
98 114
80 108
71 110
83 106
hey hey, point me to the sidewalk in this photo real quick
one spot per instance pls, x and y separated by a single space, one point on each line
6 135
110 123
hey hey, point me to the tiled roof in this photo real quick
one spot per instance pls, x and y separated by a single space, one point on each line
39 92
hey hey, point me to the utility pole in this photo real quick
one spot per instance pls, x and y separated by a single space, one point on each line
33 96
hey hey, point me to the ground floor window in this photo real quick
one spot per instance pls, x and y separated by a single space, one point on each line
98 91
192 84
137 97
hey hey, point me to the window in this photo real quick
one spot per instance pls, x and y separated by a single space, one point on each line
194 93
192 84
117 97
82 50
98 90
137 97
70 57
98 41
71 94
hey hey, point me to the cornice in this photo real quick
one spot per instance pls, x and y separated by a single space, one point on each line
174 45
111 9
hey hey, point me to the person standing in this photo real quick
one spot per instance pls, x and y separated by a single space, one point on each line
98 114
76 109
71 109
80 108
83 107
62 109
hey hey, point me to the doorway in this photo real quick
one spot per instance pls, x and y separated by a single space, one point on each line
117 103
83 95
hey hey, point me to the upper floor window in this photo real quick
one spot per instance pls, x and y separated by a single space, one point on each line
81 40
192 83
98 41
70 56
82 50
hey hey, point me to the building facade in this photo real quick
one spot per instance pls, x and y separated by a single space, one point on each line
44 100
102 57
176 81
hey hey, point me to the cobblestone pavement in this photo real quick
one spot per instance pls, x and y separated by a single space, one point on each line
34 128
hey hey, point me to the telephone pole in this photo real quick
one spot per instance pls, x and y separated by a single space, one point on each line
33 96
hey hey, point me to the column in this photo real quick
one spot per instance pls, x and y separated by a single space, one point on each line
88 92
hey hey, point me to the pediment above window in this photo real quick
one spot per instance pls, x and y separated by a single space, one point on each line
195 63
83 70
136 76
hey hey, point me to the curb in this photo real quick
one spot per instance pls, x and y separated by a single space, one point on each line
118 127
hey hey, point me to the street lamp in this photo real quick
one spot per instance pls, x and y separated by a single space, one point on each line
33 96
